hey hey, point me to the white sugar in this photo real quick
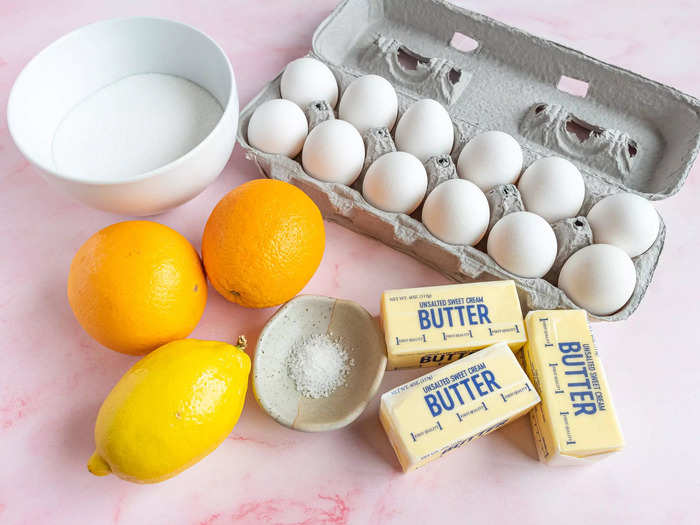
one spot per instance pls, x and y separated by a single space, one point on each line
318 364
133 126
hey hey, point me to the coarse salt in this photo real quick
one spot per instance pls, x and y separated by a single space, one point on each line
318 364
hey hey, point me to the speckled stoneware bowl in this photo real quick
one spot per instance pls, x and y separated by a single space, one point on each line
308 315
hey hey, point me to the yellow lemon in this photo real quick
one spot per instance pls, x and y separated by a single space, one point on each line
172 408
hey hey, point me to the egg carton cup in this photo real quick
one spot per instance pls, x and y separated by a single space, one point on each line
624 133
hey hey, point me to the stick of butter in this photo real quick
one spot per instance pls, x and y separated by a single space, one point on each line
453 405
576 420
438 324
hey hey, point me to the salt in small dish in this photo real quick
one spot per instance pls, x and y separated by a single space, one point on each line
308 315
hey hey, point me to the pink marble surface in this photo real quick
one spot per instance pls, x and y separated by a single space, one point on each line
53 377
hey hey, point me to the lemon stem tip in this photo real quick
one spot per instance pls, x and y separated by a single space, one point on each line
242 342
98 466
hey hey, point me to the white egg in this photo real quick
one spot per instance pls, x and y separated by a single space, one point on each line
599 278
553 188
456 212
523 243
625 220
306 80
489 159
369 102
425 130
395 182
278 126
334 152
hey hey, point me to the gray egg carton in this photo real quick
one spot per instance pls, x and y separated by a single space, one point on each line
627 133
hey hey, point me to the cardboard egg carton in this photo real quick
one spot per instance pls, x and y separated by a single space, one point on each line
624 132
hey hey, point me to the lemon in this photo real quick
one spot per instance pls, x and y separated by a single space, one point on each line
172 408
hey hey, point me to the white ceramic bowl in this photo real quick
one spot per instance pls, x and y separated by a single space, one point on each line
132 116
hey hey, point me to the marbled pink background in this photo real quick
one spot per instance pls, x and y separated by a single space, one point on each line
53 377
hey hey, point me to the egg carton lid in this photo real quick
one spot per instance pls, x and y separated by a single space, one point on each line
623 131
505 72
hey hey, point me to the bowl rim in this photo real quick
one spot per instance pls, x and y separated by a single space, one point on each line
356 410
230 107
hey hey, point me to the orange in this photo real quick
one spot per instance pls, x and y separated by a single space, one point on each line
262 243
137 285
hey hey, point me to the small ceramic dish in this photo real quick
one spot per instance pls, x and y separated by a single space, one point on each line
308 315
132 116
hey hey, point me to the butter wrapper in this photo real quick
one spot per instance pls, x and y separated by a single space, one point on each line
576 422
436 325
455 404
